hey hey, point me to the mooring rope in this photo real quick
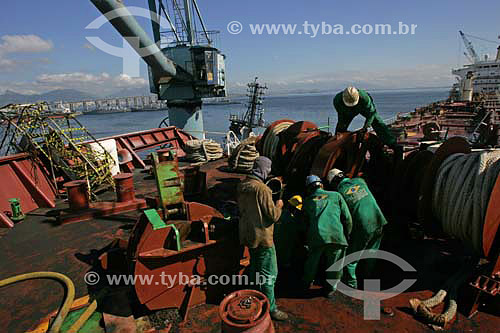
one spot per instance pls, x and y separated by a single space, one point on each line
243 156
461 195
272 139
459 202
203 150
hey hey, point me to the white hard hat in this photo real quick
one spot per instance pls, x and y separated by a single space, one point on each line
350 96
334 173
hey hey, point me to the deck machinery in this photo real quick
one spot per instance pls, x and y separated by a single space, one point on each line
187 69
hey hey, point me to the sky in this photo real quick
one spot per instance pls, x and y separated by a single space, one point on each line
43 44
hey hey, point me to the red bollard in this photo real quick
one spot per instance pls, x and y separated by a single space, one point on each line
246 311
125 191
78 196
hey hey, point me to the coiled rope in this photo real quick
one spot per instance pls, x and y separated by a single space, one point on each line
459 201
203 150
244 155
461 195
272 139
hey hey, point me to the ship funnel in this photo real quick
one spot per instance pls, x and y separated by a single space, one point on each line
498 54
125 23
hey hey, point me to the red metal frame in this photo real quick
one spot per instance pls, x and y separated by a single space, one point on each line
146 248
143 140
27 180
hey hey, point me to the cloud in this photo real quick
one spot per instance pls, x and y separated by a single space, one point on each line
99 84
20 44
24 43
79 80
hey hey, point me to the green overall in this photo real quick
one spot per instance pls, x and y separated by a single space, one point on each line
367 109
286 237
368 222
329 228
263 272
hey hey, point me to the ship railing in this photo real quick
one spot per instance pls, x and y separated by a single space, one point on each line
396 117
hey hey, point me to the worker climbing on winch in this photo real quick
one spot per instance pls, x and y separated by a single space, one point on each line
288 230
351 102
328 232
368 221
258 214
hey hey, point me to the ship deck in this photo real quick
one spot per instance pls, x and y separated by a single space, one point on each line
40 244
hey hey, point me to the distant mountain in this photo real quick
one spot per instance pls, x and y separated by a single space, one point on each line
129 92
68 95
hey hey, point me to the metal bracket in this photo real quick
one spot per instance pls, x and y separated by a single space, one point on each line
155 219
157 223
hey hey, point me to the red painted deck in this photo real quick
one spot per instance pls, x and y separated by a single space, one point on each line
40 244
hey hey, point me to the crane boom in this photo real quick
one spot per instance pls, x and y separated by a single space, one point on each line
469 47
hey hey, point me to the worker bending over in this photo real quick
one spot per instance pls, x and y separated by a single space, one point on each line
329 228
367 219
288 230
351 102
258 214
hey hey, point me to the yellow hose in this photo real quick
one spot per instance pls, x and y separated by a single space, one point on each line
84 317
70 293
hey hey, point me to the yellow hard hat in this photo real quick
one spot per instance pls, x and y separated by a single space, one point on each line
350 96
296 201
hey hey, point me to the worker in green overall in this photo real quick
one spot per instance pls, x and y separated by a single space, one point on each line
328 232
351 102
367 219
258 214
287 231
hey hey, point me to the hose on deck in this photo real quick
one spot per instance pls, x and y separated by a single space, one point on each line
70 293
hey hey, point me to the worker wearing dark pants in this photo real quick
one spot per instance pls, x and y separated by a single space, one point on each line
367 218
329 228
351 102
287 232
258 214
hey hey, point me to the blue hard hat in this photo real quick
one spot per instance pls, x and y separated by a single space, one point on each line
312 179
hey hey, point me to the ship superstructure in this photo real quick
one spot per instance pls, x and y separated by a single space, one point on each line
481 77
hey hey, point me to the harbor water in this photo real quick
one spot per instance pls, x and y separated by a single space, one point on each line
317 108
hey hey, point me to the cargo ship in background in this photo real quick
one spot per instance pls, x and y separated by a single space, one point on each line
472 109
79 210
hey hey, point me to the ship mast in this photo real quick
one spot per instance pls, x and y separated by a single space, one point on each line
253 117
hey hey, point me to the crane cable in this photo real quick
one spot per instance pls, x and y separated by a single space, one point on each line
272 139
461 195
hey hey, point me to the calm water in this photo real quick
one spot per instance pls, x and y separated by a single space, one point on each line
313 107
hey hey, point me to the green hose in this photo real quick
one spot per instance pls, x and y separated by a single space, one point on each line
70 295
